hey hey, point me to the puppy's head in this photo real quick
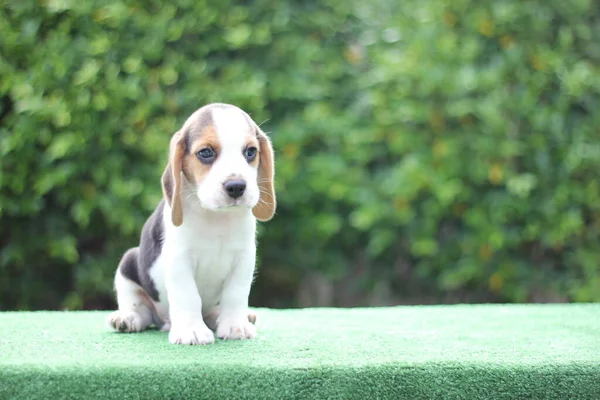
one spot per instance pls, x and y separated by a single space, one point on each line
221 160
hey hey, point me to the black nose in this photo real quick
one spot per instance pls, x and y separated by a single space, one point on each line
235 188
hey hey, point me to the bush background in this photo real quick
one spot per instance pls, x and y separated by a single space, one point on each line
432 151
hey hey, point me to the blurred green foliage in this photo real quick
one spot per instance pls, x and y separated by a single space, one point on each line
426 151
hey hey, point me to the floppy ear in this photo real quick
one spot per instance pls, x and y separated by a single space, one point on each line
265 209
171 179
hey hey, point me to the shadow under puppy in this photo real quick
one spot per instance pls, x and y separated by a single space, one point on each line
192 272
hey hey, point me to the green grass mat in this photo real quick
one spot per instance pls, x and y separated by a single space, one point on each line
457 352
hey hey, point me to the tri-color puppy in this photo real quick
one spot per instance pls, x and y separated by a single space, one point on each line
194 267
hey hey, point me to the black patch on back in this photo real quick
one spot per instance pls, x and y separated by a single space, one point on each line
136 262
129 265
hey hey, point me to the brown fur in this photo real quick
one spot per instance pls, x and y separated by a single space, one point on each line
183 159
194 169
265 209
171 179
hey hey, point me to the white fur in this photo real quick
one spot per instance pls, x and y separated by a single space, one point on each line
207 261
232 130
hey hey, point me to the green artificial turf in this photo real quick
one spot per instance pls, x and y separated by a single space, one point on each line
457 352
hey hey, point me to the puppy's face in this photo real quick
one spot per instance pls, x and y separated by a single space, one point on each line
226 161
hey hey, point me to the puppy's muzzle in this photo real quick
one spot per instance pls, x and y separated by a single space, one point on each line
235 188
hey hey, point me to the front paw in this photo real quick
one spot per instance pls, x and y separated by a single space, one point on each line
195 333
236 328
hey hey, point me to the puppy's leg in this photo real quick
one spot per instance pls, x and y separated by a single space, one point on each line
135 312
185 305
211 316
233 321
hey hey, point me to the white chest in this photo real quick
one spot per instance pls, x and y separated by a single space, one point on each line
212 245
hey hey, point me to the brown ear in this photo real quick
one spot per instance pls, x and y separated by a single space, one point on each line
265 209
171 179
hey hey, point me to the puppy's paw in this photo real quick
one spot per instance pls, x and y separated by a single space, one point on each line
196 333
166 327
125 321
236 328
211 317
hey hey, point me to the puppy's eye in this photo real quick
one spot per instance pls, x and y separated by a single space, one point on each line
206 155
250 153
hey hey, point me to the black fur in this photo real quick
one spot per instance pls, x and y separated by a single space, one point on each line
135 264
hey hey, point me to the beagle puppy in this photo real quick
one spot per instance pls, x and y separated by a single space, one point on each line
192 271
